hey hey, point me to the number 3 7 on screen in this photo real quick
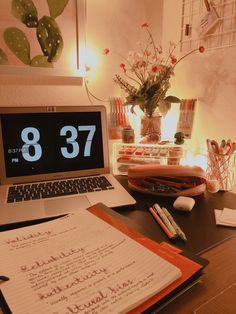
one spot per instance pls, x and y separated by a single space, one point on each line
31 137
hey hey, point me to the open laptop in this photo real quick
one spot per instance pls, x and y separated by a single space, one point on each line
44 144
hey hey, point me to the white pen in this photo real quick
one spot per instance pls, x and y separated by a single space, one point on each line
164 218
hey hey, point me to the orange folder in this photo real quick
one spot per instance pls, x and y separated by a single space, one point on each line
189 268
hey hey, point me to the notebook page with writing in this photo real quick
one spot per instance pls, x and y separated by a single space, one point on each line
79 264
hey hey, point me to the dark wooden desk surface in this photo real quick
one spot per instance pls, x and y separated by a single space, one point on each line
217 290
199 225
216 293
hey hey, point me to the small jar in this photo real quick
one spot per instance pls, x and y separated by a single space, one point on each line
175 155
128 135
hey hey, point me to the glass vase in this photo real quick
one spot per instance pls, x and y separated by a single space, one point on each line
151 128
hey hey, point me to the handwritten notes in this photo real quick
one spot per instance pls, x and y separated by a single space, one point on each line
78 264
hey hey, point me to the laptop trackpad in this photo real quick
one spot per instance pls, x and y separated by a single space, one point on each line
65 205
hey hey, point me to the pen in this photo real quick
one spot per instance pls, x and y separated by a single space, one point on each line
174 224
164 218
3 278
161 223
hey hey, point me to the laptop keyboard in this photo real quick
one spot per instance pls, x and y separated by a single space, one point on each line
42 190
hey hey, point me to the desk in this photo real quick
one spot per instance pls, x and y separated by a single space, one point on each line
198 225
216 293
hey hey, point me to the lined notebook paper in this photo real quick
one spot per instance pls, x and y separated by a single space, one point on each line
79 264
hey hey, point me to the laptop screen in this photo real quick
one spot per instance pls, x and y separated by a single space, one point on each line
39 143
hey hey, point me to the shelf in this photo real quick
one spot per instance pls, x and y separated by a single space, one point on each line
127 155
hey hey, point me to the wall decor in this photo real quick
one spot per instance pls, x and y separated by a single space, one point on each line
42 37
211 23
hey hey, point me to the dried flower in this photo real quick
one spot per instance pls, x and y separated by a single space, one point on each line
201 49
145 24
106 51
122 66
147 75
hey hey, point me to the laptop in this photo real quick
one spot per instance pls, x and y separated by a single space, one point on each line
57 147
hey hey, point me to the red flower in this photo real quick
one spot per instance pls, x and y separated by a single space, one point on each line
201 49
106 51
145 24
155 69
173 59
122 66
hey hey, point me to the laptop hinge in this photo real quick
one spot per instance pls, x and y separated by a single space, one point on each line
51 109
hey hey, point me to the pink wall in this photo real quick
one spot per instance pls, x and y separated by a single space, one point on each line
209 77
114 24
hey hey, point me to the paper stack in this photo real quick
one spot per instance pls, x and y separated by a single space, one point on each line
226 217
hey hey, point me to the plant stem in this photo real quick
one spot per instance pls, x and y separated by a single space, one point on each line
189 53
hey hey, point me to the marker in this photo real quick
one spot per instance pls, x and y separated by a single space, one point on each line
164 218
161 223
174 224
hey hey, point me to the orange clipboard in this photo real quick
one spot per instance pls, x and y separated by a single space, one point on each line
190 268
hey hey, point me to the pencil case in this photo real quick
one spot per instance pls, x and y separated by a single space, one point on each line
167 180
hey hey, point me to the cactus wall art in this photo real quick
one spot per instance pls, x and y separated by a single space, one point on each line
33 32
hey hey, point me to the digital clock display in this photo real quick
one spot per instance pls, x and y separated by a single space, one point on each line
38 143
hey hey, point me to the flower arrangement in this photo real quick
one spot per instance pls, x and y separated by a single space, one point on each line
147 76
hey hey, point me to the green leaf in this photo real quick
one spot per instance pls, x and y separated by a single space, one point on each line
25 11
132 109
3 58
164 107
50 38
18 43
152 90
142 106
172 99
56 7
41 61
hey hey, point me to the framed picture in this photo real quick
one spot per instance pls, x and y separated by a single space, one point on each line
42 38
